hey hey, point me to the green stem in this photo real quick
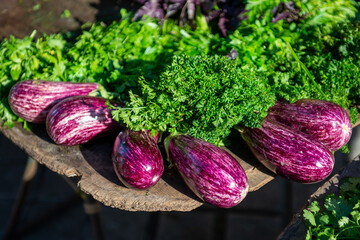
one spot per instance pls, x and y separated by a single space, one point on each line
32 35
108 103
131 108
239 128
102 92
345 230
306 70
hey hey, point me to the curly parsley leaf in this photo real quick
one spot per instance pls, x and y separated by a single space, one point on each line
204 96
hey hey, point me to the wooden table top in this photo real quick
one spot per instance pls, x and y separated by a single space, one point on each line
91 162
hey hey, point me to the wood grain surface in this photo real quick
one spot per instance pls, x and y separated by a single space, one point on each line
91 162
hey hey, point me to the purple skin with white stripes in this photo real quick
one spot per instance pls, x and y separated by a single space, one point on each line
77 120
325 121
137 159
32 99
289 152
210 172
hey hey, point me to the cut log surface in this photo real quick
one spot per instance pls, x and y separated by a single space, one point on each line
92 163
296 230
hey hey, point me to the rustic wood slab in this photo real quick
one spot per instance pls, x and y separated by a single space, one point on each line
296 230
92 163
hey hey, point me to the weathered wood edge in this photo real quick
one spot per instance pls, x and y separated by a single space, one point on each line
296 229
170 194
72 162
98 179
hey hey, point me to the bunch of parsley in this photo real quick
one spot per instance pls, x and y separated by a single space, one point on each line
339 217
204 96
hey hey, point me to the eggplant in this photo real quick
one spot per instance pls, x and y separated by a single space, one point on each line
289 152
211 172
32 99
137 159
325 121
77 120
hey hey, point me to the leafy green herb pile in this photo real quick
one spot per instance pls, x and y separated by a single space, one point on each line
297 60
114 56
202 96
339 218
170 77
302 60
326 68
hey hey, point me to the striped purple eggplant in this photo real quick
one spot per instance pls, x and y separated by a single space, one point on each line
289 152
326 121
77 120
137 159
32 99
210 172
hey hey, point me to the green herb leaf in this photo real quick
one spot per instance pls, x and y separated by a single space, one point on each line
350 185
15 71
343 221
324 219
309 216
337 206
314 207
340 219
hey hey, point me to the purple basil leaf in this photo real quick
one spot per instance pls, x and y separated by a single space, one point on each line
212 15
278 17
173 8
223 23
228 13
286 11
151 8
291 6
